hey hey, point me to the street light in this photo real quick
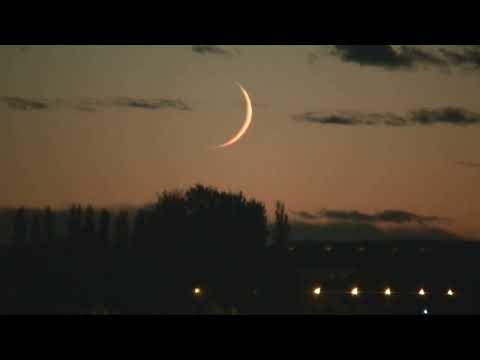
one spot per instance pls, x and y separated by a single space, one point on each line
197 291
450 293
421 292
388 292
317 291
354 291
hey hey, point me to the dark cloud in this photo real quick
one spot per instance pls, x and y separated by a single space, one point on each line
304 215
413 56
212 49
375 55
346 232
467 56
351 216
336 232
402 217
154 104
448 115
350 118
386 216
24 104
405 57
329 119
469 164
91 105
387 56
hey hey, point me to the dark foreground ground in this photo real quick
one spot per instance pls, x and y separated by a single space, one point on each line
275 281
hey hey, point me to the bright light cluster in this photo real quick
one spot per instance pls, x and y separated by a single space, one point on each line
355 291
387 292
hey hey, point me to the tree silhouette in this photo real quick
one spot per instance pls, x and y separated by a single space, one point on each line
79 219
199 236
281 228
140 230
36 231
104 231
75 225
205 238
71 224
89 231
258 224
19 228
49 226
122 231
225 222
169 221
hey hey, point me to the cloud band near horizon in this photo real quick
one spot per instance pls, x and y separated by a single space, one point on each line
448 115
91 105
386 216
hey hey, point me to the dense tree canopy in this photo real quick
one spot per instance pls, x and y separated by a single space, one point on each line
203 219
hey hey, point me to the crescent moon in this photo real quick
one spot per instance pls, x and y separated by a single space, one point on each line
246 123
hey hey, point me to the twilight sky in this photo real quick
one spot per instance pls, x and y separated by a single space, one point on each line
372 132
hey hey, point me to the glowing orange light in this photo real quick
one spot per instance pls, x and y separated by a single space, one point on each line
421 292
450 292
354 291
317 291
197 291
387 292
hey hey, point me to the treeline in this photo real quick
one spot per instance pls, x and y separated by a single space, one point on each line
146 262
198 219
89 260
